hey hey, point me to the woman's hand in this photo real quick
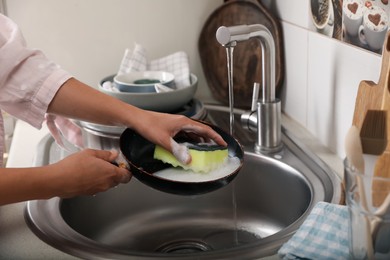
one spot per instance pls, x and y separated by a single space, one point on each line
86 173
160 128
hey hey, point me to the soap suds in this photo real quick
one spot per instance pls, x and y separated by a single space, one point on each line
180 152
179 174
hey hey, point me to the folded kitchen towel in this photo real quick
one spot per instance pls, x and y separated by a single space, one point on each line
323 235
133 60
176 63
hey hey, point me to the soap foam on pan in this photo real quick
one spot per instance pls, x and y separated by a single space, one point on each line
179 174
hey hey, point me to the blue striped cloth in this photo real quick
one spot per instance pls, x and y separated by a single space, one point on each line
323 235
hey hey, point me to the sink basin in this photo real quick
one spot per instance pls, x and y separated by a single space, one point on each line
249 218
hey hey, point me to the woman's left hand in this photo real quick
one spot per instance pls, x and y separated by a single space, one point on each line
161 128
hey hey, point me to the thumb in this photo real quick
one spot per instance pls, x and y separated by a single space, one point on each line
123 174
180 152
114 154
119 159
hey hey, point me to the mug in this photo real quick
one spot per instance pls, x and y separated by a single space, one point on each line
321 13
374 28
352 16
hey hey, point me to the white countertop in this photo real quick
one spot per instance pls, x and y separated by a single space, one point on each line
23 144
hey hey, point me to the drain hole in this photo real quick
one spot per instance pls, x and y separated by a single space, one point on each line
184 247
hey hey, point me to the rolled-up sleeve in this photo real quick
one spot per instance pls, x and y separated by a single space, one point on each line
28 79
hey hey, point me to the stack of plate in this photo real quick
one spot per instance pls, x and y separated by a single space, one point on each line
170 102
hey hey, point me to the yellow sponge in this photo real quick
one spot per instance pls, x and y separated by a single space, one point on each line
205 158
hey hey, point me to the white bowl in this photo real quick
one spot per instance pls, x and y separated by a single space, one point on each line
160 102
143 81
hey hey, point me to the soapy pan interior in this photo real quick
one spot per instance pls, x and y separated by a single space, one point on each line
139 154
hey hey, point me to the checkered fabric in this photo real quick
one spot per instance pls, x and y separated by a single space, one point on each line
176 63
323 235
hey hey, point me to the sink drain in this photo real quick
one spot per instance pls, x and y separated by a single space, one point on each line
183 247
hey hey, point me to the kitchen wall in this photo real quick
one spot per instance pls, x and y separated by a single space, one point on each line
88 38
322 75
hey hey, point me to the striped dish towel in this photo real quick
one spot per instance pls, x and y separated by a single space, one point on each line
176 63
323 235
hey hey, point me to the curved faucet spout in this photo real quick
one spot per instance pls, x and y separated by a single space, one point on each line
230 36
267 119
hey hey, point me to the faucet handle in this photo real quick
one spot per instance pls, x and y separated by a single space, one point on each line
255 96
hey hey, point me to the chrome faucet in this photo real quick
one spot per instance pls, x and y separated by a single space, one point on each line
265 115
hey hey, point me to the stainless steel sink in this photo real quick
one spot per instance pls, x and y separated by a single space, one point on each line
250 218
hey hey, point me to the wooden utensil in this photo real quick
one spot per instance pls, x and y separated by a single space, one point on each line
376 97
247 56
373 133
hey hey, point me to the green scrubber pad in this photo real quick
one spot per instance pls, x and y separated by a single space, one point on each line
205 157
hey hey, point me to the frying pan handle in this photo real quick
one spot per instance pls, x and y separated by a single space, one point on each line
121 162
120 165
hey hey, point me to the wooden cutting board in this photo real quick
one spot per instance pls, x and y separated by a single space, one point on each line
372 96
246 55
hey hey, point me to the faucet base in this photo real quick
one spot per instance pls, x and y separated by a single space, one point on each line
269 125
268 150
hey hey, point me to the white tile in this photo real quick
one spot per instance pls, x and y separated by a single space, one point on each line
294 91
295 12
335 70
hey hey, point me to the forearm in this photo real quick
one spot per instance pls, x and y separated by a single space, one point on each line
31 184
85 173
79 101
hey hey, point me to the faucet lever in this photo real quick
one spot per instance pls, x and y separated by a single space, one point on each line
255 96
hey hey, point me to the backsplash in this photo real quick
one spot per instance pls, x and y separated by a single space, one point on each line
322 74
326 17
362 23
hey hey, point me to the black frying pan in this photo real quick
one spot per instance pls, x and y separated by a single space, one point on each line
139 154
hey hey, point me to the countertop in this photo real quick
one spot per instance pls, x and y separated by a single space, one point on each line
17 241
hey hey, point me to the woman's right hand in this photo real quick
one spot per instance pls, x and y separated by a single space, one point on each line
87 173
